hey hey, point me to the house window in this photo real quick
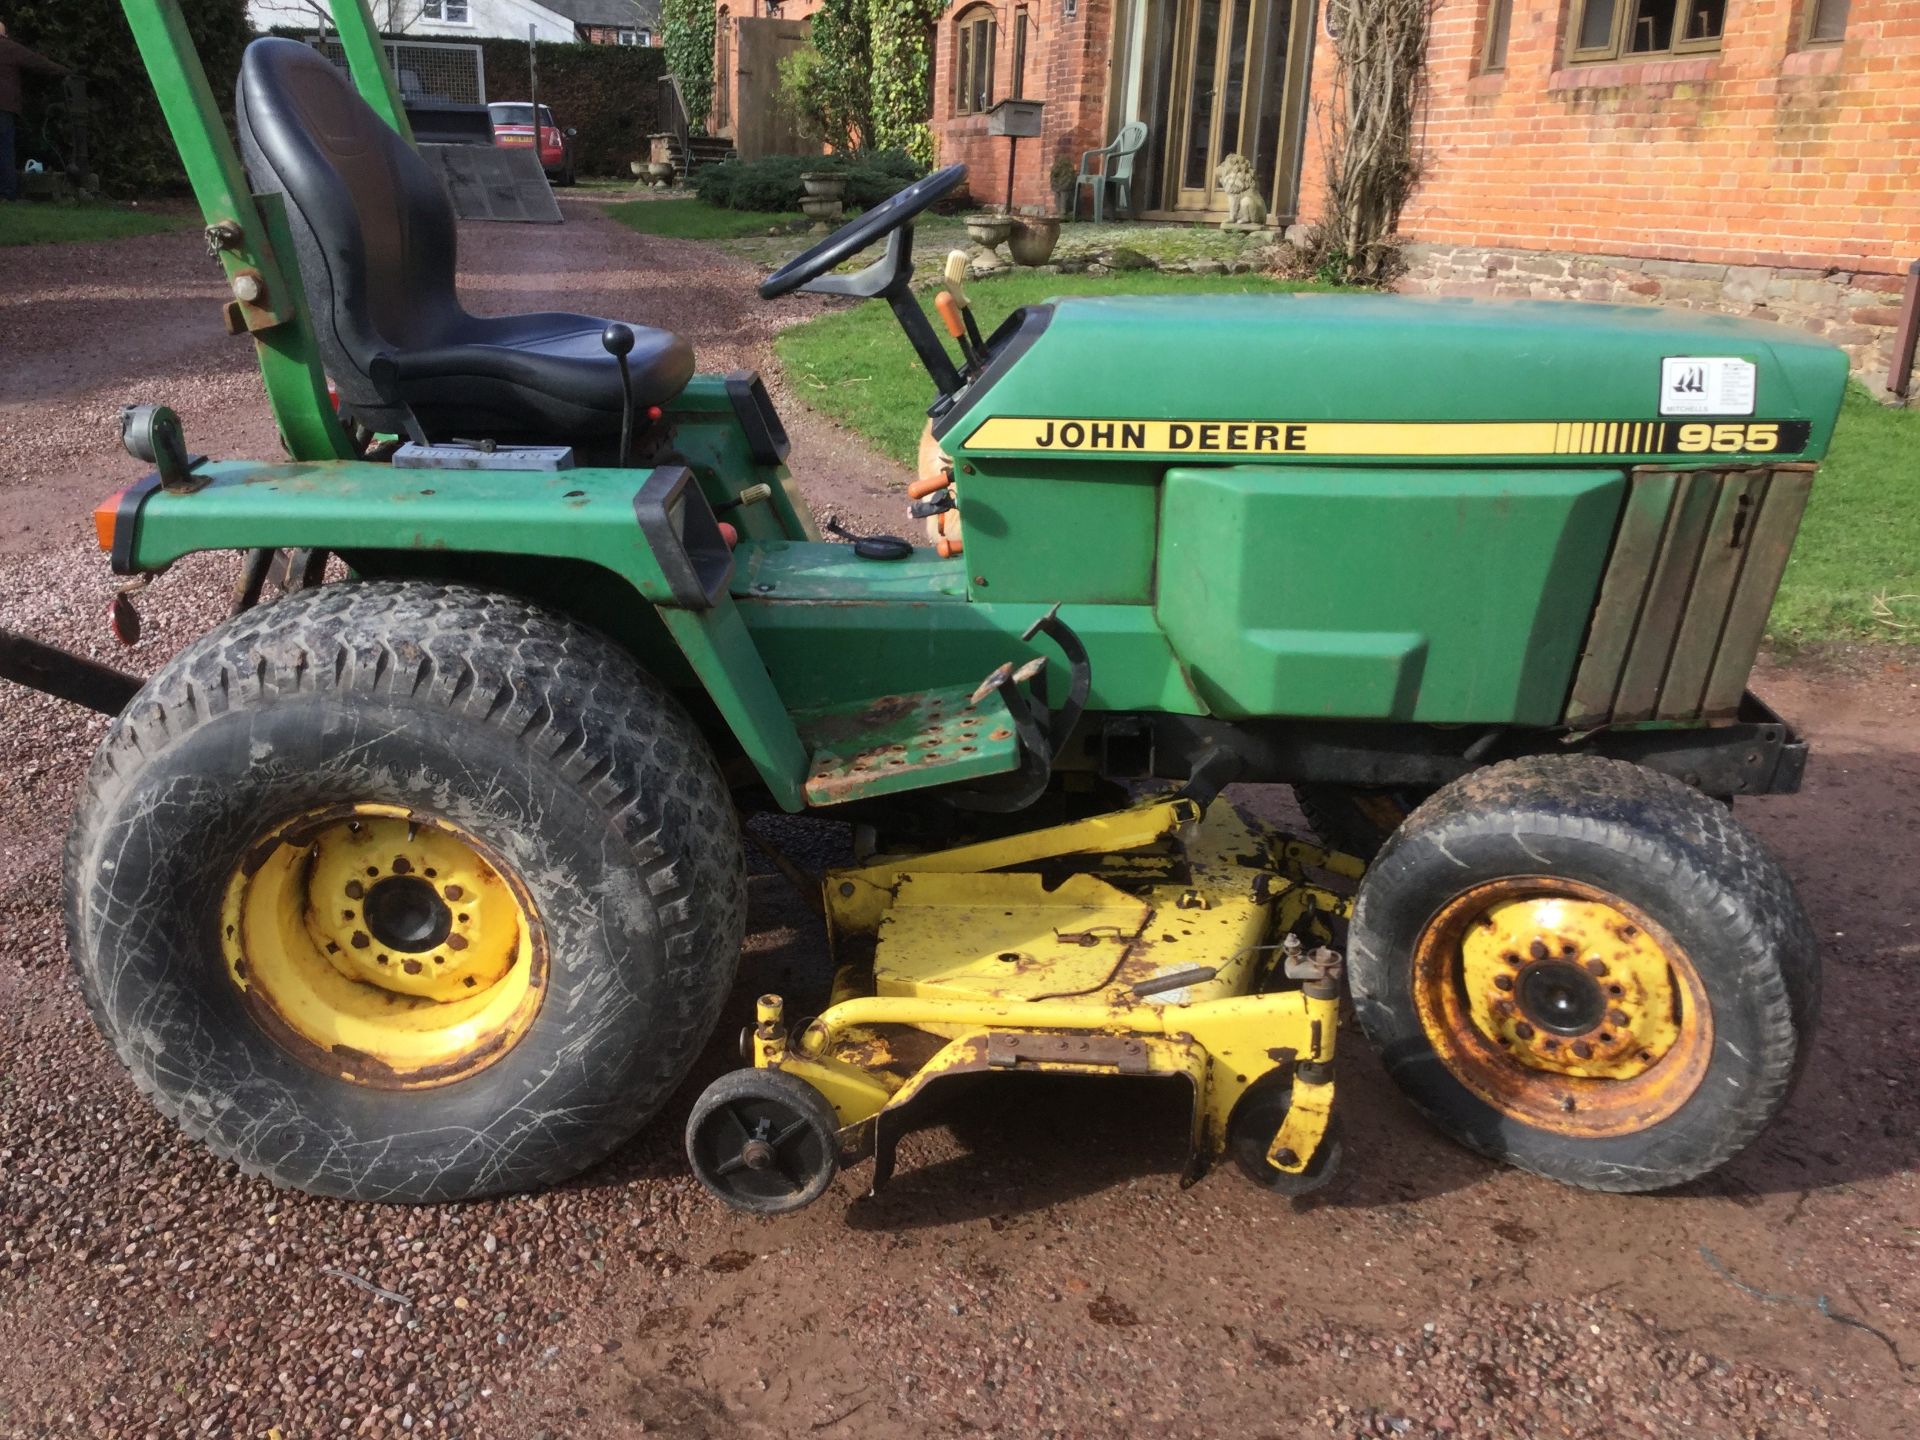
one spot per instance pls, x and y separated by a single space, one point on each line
454 12
1019 55
973 61
629 37
1617 29
1826 22
1499 22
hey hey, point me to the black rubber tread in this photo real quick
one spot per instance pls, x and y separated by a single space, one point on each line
1679 856
540 736
1334 816
790 1091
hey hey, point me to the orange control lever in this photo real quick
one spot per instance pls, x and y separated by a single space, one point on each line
949 309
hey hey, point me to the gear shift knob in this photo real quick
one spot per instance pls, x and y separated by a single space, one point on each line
618 340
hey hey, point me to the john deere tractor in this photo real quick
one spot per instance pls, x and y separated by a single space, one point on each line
427 882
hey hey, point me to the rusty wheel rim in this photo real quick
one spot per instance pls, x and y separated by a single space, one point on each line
1562 1006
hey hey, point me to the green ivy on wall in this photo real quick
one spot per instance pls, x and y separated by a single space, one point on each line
903 75
688 29
901 81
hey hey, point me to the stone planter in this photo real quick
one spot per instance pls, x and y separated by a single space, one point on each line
660 172
825 185
1032 241
823 210
1064 202
987 231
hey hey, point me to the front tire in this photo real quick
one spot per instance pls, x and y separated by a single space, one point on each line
405 892
1587 969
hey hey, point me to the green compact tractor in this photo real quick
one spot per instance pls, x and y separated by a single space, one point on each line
428 882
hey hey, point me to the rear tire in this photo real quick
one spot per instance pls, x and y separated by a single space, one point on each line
1587 969
464 714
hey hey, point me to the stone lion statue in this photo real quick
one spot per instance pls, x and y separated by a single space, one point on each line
1246 210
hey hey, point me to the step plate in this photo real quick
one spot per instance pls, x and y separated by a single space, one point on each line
907 742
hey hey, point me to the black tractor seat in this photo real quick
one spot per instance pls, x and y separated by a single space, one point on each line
374 234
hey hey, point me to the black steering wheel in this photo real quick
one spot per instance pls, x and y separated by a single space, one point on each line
863 230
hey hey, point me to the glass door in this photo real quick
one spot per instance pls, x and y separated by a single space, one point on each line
1213 110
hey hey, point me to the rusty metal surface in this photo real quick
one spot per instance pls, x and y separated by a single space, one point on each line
1635 1072
1685 597
1773 532
1010 1050
907 742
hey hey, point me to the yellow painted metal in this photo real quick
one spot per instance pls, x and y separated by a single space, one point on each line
1626 964
1304 1129
353 856
292 925
1137 943
1649 1033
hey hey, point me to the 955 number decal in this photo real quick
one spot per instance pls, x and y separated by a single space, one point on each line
1728 438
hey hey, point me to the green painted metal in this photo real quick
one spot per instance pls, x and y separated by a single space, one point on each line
255 228
583 515
906 742
830 626
1443 596
1398 359
367 62
705 434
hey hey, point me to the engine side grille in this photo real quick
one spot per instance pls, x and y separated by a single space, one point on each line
1684 600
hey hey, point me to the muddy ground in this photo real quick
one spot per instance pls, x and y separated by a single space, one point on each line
1035 1269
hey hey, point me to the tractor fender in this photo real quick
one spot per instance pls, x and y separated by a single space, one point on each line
651 528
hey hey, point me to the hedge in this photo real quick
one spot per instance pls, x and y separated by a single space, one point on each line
773 183
129 145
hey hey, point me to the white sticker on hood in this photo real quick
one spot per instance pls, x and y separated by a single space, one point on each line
1706 385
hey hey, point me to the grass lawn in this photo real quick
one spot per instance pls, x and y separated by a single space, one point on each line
35 223
694 219
856 366
1855 572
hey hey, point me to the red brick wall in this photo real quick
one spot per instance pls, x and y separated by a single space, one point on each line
1765 154
1066 67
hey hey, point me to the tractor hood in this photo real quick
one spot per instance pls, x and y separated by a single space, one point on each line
1397 379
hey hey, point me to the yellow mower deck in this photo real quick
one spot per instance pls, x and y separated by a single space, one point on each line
1153 941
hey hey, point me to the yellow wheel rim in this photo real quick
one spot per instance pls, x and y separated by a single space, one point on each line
1562 1006
382 946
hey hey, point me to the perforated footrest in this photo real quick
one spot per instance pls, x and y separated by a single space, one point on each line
907 742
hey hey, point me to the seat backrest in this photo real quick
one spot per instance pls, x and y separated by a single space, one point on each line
1131 140
372 225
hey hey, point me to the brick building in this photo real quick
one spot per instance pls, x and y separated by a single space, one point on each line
1759 156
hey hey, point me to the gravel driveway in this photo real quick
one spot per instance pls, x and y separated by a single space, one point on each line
1035 1270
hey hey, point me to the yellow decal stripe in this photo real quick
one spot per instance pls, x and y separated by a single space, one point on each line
1276 437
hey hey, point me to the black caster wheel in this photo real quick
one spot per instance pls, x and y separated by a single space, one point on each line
763 1141
1257 1118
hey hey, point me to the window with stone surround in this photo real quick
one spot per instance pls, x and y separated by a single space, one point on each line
1493 54
1826 22
1625 29
973 39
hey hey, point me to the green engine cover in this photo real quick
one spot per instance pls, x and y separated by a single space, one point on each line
1386 594
1392 379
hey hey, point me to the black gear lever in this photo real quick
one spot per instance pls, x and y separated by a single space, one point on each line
617 341
871 547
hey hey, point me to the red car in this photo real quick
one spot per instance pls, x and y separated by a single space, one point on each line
513 125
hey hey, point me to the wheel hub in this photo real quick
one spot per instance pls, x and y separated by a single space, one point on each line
1560 998
408 907
1569 986
383 946
1560 1005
